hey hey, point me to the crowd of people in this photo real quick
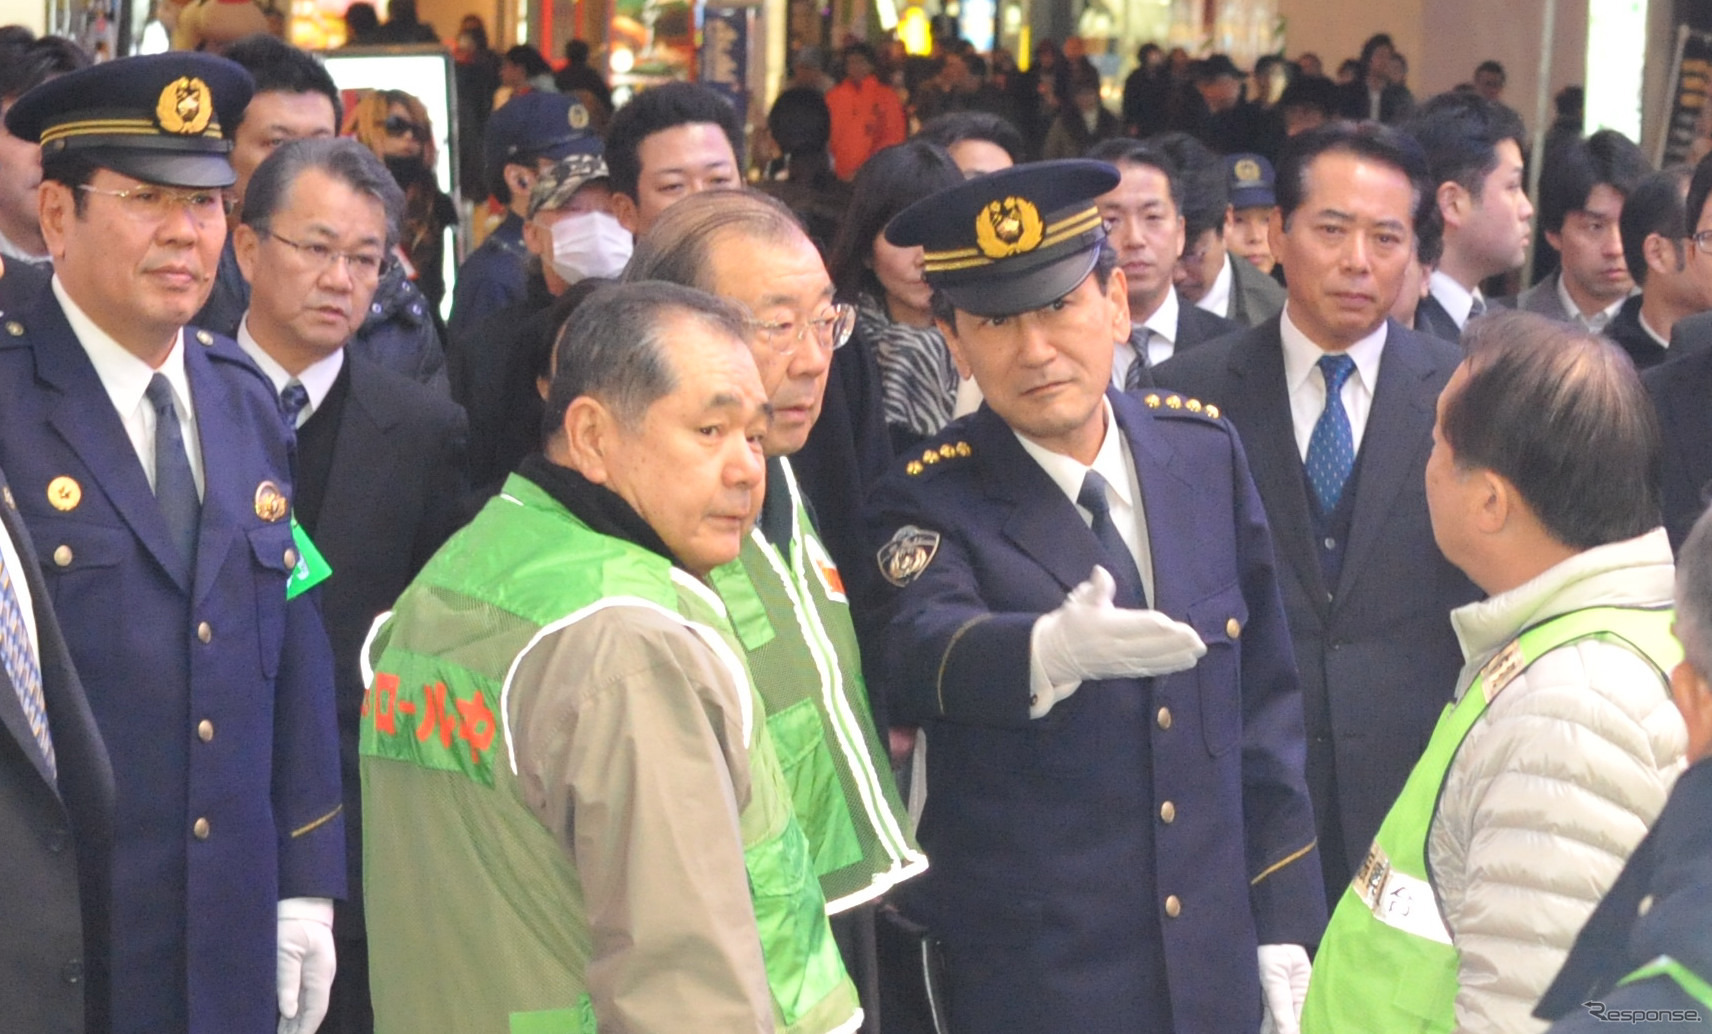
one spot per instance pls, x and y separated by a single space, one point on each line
990 563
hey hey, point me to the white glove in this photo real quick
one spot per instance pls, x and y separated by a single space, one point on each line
1284 971
306 963
1088 638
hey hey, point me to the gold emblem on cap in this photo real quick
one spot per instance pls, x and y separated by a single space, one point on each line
1008 227
186 106
271 504
1247 170
577 116
64 493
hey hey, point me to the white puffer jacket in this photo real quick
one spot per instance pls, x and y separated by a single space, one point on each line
1554 785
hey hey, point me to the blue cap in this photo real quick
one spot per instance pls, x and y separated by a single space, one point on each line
158 118
1011 241
537 125
1252 181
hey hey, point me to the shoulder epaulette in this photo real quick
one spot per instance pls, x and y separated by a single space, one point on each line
1169 403
933 457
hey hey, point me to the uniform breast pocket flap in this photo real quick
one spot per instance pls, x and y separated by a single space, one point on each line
1220 619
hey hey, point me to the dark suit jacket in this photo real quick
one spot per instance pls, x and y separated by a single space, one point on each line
1681 390
395 490
1626 330
1431 318
213 692
1052 868
1691 334
1377 656
54 870
1195 326
1255 297
1395 102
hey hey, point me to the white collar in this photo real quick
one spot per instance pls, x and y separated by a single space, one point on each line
1302 355
1595 322
1069 473
317 378
1641 318
1456 299
1163 322
1218 297
125 376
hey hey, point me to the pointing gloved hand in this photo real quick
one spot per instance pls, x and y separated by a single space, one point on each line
306 964
1284 972
1089 638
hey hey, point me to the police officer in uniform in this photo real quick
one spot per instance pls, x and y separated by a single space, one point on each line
152 468
1081 609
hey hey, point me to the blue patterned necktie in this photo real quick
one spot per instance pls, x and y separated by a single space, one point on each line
293 400
1138 368
21 666
1331 449
1119 559
175 485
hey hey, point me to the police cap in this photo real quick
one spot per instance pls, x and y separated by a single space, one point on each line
537 125
1251 180
1011 241
158 117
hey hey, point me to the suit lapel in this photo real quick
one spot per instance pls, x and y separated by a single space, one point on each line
1261 410
1043 523
226 497
85 420
11 709
1399 426
357 453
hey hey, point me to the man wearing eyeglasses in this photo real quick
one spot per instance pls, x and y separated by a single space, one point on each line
380 472
787 597
153 472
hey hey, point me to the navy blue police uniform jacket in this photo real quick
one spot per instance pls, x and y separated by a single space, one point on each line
1111 866
214 695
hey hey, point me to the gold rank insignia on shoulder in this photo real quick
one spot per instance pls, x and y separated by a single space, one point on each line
1212 411
1173 402
271 504
1152 400
907 554
962 449
913 467
930 457
1193 405
64 494
1501 670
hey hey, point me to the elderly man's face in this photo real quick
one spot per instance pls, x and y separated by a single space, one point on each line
693 467
784 285
1451 491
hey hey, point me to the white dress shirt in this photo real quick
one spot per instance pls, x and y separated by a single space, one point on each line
1161 343
126 378
1456 299
1596 322
317 378
1217 300
1307 385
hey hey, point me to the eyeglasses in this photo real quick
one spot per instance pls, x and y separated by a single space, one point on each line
831 331
152 204
364 265
398 126
1702 241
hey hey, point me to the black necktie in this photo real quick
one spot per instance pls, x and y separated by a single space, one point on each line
1119 560
175 486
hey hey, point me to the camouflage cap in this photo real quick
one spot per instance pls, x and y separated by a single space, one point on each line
560 183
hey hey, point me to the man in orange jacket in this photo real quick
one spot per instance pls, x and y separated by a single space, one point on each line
866 115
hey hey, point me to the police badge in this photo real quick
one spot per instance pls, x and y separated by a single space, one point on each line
906 556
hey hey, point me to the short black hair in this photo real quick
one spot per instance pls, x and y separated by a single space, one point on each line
658 109
1372 141
957 126
1654 206
1122 150
799 121
279 67
1559 413
1204 190
577 51
1606 158
1374 42
27 63
340 157
527 58
1460 132
1310 91
1699 188
1494 67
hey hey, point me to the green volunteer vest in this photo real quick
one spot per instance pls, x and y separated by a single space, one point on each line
1692 983
1387 964
792 617
476 919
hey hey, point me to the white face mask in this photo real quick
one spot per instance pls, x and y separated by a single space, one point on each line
590 244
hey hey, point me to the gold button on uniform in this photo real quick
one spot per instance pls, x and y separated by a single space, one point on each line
1164 718
1233 628
62 556
291 558
1168 812
205 730
205 632
1173 907
200 829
